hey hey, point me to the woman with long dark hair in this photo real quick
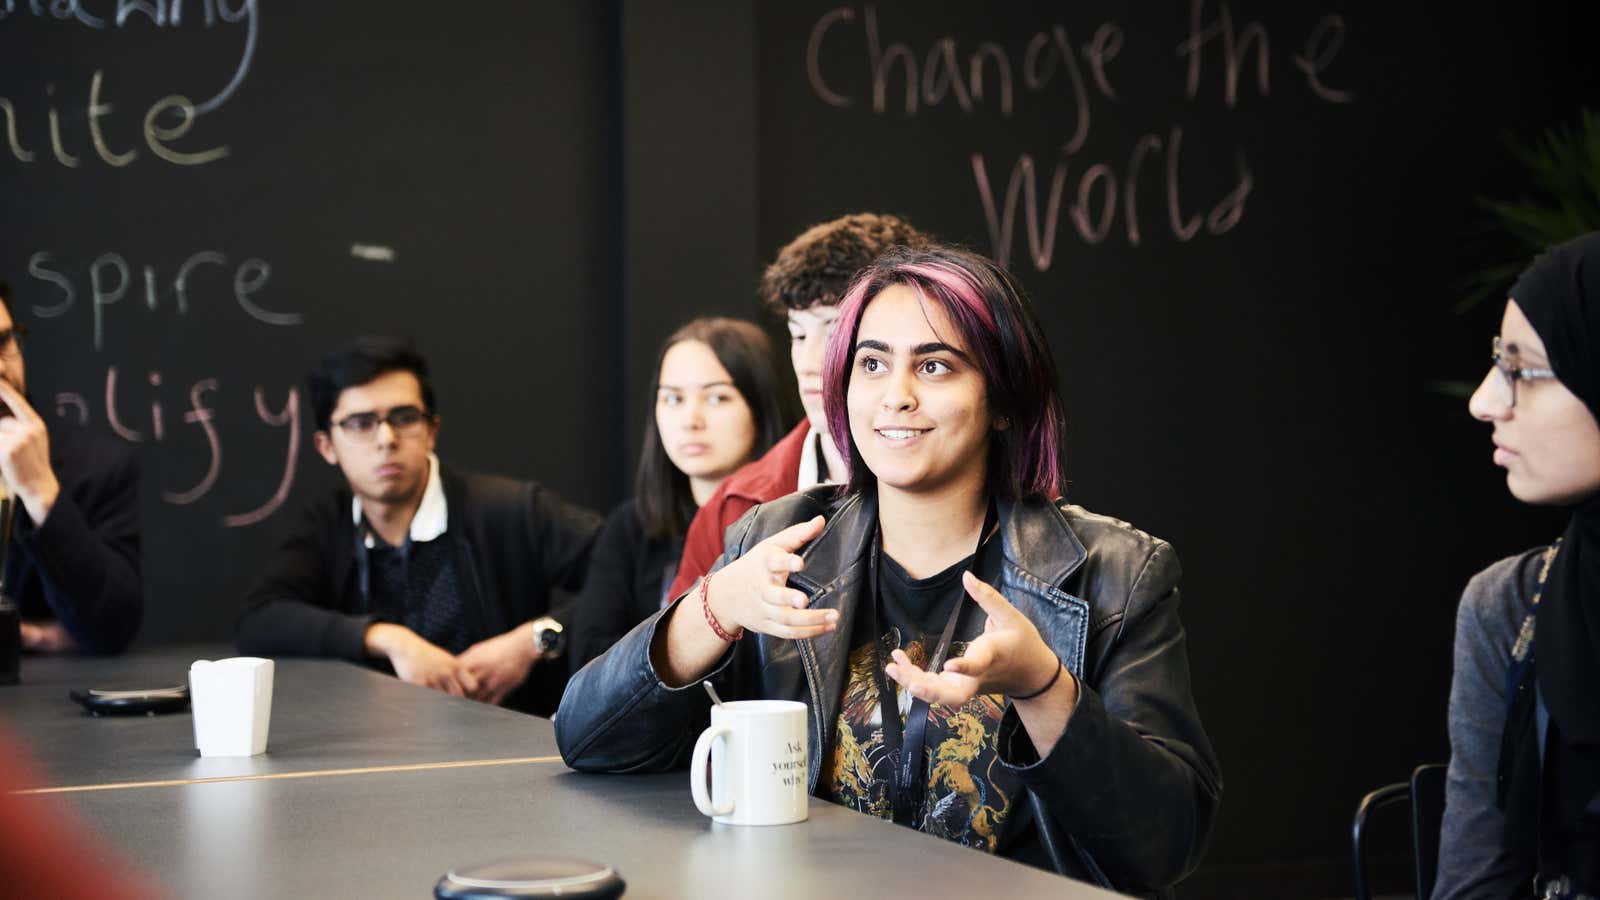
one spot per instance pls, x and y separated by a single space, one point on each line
717 403
1522 799
1023 656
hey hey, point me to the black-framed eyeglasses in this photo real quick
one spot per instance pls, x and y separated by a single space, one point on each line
1510 373
404 421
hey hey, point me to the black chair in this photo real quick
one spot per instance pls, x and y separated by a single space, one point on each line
1426 794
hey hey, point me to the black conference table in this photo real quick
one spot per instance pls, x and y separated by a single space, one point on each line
374 788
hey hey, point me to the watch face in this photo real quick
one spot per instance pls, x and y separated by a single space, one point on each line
550 639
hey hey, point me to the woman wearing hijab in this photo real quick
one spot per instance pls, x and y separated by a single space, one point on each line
1522 814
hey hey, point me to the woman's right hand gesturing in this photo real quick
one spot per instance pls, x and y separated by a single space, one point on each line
751 593
747 593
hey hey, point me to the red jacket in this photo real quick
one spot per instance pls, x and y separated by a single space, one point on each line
45 848
776 474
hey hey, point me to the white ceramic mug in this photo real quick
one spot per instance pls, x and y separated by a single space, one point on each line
757 750
232 704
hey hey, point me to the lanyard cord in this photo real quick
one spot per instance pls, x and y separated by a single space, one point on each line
394 609
905 744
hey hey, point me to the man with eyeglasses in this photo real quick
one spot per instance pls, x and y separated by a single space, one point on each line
443 575
72 564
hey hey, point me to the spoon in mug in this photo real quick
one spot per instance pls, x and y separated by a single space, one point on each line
713 692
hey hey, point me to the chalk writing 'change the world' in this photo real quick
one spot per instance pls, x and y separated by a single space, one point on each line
1054 73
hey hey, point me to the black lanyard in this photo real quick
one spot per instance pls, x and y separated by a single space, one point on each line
393 608
905 745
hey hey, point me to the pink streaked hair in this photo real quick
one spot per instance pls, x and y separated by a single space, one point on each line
1006 342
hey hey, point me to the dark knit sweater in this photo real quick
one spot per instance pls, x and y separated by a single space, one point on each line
513 543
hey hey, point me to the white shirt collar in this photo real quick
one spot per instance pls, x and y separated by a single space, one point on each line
808 461
433 514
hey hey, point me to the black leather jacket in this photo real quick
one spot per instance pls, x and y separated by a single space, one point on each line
1133 782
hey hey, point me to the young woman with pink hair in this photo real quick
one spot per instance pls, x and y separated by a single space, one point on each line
980 659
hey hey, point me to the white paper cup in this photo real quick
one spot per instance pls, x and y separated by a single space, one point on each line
232 704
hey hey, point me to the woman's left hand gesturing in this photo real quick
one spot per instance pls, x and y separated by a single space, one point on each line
1008 658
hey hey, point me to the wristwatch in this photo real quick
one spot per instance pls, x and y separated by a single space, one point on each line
549 637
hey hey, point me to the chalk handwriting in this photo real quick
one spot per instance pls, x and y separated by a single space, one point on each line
814 51
198 414
161 14
201 414
1094 210
1321 48
138 410
1234 47
291 417
123 431
373 252
168 120
67 400
110 277
159 139
1092 195
943 74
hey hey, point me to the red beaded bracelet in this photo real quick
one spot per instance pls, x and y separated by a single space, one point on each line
705 607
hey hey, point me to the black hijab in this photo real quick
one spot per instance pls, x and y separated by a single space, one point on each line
1559 800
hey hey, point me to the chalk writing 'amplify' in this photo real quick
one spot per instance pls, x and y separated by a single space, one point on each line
201 414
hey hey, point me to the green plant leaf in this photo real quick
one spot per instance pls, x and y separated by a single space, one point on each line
1563 167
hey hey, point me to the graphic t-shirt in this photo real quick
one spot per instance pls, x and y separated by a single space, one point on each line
970 794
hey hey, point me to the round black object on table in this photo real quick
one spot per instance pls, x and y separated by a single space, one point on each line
531 877
134 703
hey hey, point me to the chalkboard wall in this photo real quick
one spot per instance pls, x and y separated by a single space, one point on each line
360 167
1244 226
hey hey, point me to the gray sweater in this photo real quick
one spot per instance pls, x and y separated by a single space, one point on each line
1472 859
